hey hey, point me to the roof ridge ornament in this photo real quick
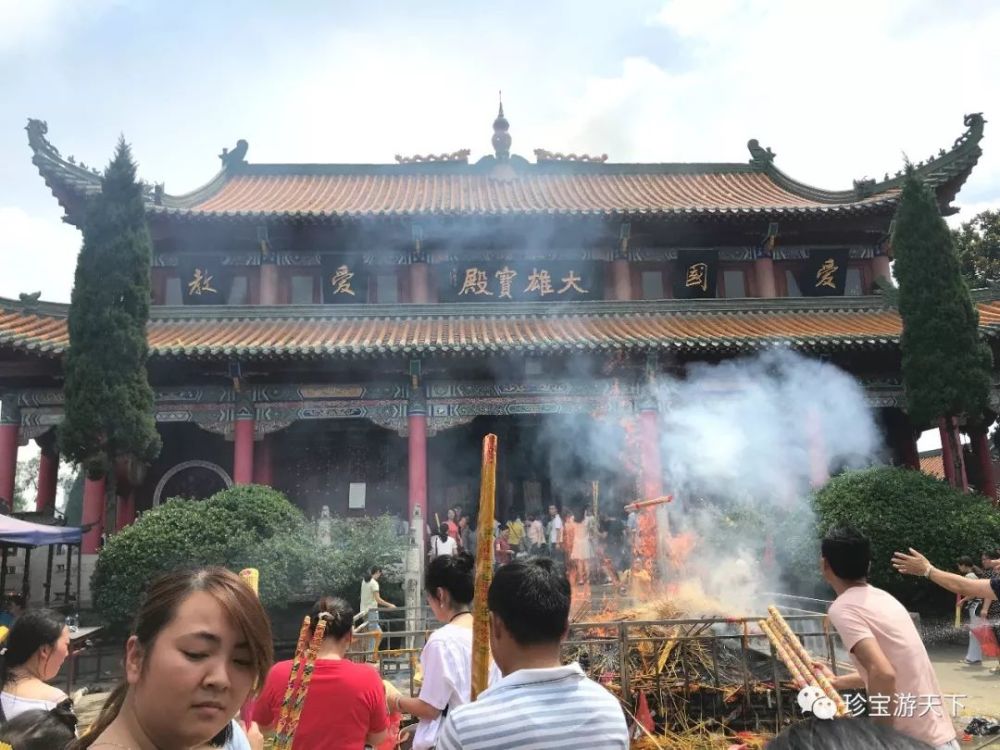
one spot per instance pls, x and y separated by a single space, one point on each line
235 158
542 155
462 155
501 137
974 122
761 158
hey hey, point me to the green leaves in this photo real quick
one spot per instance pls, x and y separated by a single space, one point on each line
978 244
109 404
946 367
901 508
241 527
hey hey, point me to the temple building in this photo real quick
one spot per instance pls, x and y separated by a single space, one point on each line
348 332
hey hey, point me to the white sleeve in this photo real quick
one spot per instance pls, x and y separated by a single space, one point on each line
438 682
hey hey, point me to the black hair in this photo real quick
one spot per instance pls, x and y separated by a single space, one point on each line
41 730
965 561
453 573
843 734
32 630
443 532
17 599
848 552
339 616
532 597
374 569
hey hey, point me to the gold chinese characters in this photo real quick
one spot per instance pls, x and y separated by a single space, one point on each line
201 283
341 281
825 274
697 276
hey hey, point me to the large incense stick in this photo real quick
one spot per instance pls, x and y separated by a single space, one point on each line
799 652
251 577
484 569
284 716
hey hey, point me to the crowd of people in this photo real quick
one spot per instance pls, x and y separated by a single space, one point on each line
589 545
201 649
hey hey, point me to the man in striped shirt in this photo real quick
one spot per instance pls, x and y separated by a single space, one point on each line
539 704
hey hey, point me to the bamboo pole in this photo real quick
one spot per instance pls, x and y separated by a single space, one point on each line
484 569
801 680
782 628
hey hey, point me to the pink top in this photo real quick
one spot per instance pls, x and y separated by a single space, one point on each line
867 612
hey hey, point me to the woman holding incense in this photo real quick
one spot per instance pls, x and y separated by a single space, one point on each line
344 708
200 644
446 660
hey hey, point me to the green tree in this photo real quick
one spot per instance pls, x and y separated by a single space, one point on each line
946 367
109 404
899 508
978 244
26 484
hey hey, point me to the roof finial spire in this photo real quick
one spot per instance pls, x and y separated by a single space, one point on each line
501 138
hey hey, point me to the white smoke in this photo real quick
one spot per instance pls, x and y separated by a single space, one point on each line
750 438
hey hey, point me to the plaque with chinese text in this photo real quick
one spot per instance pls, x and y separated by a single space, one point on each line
345 280
520 281
204 281
825 273
695 275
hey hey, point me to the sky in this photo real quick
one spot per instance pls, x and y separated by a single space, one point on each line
838 90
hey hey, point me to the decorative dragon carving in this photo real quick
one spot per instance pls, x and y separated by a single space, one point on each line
974 122
760 157
235 157
462 155
542 155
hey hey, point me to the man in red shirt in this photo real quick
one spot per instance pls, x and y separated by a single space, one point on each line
345 707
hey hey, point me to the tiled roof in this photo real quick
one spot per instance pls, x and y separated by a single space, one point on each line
492 187
932 462
354 195
478 330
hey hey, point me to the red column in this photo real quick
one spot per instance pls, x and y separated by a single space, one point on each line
652 473
420 288
243 450
48 478
268 283
981 450
263 463
8 462
949 431
93 513
125 515
418 463
910 454
764 272
621 279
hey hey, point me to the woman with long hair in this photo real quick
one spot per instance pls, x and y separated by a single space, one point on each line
353 691
41 730
447 657
37 646
442 544
200 646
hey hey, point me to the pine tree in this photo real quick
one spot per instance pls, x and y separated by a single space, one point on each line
946 366
109 404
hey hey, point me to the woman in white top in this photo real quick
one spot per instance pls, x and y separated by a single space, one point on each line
447 657
37 646
442 544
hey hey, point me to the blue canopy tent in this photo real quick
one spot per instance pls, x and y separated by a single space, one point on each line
18 534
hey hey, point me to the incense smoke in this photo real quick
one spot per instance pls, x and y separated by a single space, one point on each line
742 445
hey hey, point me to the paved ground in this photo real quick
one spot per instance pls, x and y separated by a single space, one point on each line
981 688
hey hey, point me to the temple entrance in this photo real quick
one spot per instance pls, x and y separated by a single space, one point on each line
352 466
542 460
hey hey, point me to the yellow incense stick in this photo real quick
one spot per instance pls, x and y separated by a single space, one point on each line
484 569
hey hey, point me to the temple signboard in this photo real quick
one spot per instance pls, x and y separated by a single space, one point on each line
345 280
825 274
523 281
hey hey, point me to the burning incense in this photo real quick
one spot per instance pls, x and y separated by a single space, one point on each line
638 504
484 569
281 729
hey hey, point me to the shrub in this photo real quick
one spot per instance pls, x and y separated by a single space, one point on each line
227 529
901 508
244 526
